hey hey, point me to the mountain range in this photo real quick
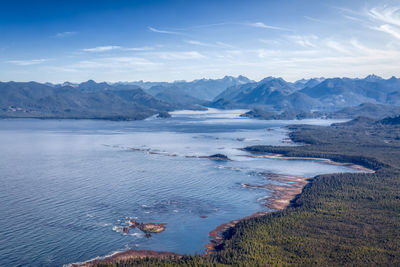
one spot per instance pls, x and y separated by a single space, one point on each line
315 94
272 98
87 101
203 89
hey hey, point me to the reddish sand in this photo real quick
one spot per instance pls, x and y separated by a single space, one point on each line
280 199
281 196
130 254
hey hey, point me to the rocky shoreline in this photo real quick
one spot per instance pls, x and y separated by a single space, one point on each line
283 193
281 196
279 200
126 255
323 160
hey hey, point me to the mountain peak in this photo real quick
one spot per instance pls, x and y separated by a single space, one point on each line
372 78
273 79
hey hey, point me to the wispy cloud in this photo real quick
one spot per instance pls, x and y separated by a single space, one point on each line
107 48
314 19
143 48
193 42
222 44
163 31
171 55
115 62
215 45
337 46
102 48
265 26
269 41
393 31
27 62
65 34
389 19
107 65
386 14
353 18
303 40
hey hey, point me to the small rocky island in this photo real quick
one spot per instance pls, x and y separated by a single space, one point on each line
217 157
148 227
163 115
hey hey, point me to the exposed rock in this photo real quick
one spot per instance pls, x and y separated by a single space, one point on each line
219 157
152 227
133 224
163 115
145 227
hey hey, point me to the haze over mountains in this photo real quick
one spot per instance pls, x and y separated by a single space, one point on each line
320 94
337 97
90 100
205 89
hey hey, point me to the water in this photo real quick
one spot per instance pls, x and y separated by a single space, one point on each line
67 186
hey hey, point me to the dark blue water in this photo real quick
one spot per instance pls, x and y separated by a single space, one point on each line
68 186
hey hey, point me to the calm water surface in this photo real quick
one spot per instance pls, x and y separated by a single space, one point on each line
68 186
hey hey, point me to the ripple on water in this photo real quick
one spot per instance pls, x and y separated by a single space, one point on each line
65 184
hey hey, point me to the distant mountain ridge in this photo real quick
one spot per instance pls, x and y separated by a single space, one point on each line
35 100
203 89
321 94
271 97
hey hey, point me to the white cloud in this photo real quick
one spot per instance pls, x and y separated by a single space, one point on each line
337 46
269 41
386 14
162 31
304 40
116 47
65 34
143 48
180 55
353 18
102 48
264 26
216 44
389 19
314 19
393 31
193 42
27 62
222 44
118 64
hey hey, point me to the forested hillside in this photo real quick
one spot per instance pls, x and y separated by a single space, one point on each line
90 100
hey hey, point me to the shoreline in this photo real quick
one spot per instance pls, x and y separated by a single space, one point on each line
280 199
290 186
126 255
324 160
281 196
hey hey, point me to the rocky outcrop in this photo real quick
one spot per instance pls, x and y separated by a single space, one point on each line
217 157
152 227
148 227
163 115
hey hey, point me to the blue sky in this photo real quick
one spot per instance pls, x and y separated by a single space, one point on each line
116 40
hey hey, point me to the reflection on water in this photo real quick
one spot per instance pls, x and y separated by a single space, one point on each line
69 186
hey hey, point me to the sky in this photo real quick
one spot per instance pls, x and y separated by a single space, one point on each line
121 40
